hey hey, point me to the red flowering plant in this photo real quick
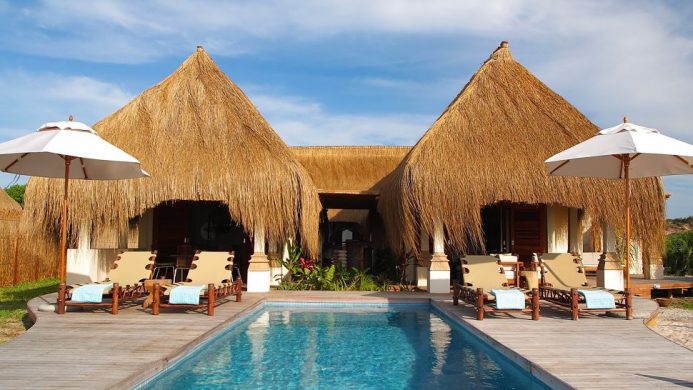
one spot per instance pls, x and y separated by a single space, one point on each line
307 264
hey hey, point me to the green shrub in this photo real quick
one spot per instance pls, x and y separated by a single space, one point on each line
306 274
678 257
16 192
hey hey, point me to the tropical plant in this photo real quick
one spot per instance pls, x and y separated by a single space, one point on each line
678 257
306 274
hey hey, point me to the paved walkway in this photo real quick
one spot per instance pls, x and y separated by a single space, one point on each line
98 350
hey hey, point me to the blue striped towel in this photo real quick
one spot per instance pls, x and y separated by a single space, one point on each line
185 295
509 298
92 293
598 299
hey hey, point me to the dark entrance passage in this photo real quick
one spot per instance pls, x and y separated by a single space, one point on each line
495 220
353 233
182 227
515 228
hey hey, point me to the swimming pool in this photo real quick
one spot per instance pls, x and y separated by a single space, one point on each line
316 346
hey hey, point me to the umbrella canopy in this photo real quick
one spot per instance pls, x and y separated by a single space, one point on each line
623 152
43 153
50 152
650 154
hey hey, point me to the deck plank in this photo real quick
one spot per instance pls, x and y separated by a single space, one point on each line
89 349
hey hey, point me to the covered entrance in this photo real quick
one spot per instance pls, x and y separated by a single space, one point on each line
515 228
182 227
352 231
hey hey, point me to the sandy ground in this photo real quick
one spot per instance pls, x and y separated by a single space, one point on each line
10 328
676 325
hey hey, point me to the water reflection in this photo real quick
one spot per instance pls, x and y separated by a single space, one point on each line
346 348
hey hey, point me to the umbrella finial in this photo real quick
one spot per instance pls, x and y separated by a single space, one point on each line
70 118
625 119
200 48
504 44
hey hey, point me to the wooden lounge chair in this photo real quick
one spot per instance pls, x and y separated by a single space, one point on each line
213 271
511 266
130 269
481 275
562 277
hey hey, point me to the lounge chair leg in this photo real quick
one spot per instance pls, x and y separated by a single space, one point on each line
115 291
574 303
61 298
455 294
479 304
155 299
239 288
629 304
535 304
210 299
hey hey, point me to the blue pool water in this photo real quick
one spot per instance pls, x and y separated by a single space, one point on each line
359 347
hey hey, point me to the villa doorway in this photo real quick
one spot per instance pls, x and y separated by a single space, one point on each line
516 228
182 227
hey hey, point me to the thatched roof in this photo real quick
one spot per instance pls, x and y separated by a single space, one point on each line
349 169
200 138
9 208
489 145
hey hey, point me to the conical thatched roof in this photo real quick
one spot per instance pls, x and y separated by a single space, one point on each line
489 145
200 138
9 209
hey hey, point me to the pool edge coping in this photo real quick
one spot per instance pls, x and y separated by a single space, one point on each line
148 372
533 369
140 378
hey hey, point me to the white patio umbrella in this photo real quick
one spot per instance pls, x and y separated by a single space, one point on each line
625 151
51 151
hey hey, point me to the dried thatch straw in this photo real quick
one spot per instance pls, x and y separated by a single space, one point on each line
10 210
200 138
349 169
489 145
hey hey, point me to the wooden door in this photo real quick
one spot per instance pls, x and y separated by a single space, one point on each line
528 230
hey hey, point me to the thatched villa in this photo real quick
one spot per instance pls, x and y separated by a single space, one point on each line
222 179
10 214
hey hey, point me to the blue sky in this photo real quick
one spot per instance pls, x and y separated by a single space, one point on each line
351 72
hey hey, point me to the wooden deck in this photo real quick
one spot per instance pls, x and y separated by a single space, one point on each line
98 350
594 352
645 287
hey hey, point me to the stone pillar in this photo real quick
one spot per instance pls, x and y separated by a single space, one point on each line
439 271
277 271
423 263
273 257
259 267
609 270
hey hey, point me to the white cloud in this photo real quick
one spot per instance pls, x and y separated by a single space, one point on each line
609 58
34 98
301 121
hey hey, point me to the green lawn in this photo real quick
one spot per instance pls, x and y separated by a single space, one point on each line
13 299
682 303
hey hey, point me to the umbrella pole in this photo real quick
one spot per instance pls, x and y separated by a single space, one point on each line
63 240
626 167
